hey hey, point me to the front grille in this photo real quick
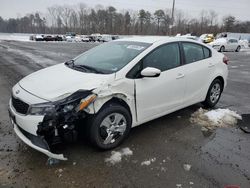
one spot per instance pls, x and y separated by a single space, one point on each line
20 106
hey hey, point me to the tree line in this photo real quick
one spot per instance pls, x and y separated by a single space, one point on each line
84 20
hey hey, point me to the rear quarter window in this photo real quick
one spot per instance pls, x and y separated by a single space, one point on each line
195 52
207 52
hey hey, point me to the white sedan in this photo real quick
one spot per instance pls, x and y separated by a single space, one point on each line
113 87
226 44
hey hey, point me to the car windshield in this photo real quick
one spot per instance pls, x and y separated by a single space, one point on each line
110 57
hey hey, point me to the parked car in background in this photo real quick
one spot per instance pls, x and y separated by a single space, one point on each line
226 44
207 38
114 87
105 38
85 38
37 37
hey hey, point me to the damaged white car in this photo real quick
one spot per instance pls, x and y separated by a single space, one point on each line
113 87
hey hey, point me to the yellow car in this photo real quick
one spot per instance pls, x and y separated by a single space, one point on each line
207 38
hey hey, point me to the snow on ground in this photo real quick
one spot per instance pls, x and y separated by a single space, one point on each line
15 36
116 156
187 167
215 118
148 162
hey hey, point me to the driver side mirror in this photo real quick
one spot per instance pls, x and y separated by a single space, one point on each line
150 72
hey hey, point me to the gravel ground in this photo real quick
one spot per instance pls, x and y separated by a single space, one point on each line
167 152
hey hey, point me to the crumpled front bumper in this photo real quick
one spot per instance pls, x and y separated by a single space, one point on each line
34 141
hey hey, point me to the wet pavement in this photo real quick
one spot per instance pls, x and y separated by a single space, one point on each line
217 159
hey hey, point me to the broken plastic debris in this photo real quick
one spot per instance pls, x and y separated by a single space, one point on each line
52 161
187 167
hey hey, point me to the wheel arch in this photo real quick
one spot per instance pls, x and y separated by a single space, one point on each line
119 101
117 98
222 81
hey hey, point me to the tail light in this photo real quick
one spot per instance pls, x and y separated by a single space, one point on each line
225 60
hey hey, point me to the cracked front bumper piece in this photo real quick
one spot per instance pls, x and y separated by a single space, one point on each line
36 143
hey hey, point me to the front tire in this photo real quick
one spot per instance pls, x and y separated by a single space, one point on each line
110 126
213 94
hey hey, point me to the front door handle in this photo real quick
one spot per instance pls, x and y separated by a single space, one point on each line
180 75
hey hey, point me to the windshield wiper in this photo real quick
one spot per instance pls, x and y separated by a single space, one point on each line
88 68
70 63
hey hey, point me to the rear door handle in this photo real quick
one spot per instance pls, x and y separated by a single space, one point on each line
180 75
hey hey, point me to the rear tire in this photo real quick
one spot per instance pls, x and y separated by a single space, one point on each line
110 126
213 94
238 49
222 49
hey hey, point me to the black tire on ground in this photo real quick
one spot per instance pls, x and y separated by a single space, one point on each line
238 49
222 49
96 132
209 103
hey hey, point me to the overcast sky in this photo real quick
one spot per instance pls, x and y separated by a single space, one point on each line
238 8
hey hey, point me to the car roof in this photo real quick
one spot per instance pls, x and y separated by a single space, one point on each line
154 39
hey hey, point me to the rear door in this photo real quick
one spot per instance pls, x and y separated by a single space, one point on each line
159 95
198 69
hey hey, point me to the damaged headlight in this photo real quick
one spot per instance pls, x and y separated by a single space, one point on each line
77 102
41 109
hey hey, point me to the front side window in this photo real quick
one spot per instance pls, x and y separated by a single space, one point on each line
110 57
193 52
164 58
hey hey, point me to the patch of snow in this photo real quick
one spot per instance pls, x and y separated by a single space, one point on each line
215 118
148 162
126 151
15 36
223 116
178 185
187 167
116 156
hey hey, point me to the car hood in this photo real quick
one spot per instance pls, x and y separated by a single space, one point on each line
59 80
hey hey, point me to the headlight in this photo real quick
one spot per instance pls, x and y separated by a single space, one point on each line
74 102
78 104
85 102
41 109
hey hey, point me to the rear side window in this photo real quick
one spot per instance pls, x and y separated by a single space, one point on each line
164 58
195 52
207 52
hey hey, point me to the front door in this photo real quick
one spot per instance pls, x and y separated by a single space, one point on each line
157 96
